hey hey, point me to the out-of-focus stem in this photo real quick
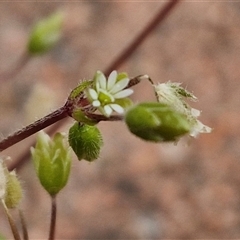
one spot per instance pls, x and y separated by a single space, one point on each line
11 222
24 225
22 62
158 18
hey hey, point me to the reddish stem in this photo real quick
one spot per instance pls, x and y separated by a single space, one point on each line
53 218
34 127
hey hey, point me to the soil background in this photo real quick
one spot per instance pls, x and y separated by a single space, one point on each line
136 190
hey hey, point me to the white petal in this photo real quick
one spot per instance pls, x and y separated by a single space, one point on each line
199 128
117 108
195 112
107 110
111 80
97 85
123 94
93 94
96 103
120 85
102 80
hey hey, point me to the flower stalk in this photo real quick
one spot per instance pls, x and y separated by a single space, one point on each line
24 225
53 218
12 224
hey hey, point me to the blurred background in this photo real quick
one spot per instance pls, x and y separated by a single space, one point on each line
136 190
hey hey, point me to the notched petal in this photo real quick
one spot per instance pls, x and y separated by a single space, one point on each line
120 85
111 80
117 108
107 110
123 94
102 80
93 94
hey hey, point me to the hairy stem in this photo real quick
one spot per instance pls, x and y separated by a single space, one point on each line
53 218
34 127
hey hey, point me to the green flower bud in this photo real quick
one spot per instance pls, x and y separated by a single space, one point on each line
14 193
156 122
45 34
10 188
86 141
52 162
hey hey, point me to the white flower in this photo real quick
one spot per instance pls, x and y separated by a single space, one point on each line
106 92
173 94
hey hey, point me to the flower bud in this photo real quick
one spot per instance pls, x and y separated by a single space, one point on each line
13 194
52 162
45 34
156 122
10 188
86 141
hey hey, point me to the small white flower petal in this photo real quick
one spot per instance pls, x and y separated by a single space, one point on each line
93 94
117 108
123 94
96 103
195 112
102 80
107 110
111 80
97 85
199 127
120 85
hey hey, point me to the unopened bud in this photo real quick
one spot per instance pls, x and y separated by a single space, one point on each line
52 161
156 122
45 34
86 141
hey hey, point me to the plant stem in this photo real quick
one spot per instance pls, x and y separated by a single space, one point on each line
34 127
11 222
53 218
24 225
